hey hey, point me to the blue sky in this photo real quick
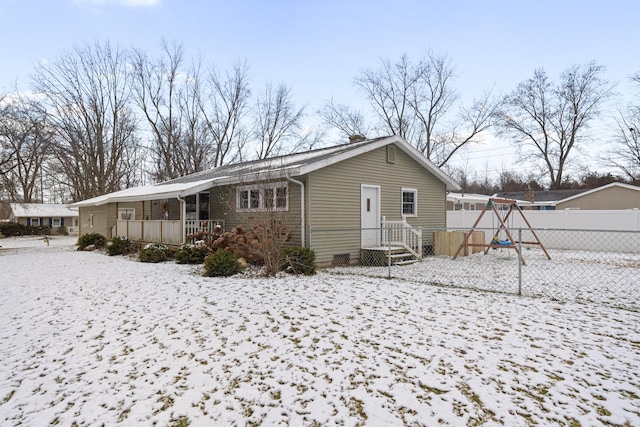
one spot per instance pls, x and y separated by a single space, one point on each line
318 47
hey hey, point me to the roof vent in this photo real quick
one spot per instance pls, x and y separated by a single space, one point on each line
356 138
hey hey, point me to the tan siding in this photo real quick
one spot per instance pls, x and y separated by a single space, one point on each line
334 194
223 207
609 198
104 218
130 205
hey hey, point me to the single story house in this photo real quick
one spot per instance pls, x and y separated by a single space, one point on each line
466 201
49 215
475 202
614 196
363 185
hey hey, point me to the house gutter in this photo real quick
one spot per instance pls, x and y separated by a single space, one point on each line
303 231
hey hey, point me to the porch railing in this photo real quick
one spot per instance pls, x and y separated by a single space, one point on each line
194 226
400 233
161 231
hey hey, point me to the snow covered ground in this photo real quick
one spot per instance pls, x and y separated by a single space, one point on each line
87 339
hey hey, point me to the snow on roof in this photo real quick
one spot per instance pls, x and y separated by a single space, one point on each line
148 192
276 167
41 210
467 197
302 163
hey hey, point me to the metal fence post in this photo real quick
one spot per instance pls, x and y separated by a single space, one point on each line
520 261
389 258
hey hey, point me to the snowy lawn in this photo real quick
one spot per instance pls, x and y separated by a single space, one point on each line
87 339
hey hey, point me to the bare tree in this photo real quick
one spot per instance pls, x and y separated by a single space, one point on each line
625 152
87 94
548 120
416 101
167 92
7 152
277 121
345 119
26 137
223 103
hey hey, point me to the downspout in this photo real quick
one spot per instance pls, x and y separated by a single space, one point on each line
303 231
183 214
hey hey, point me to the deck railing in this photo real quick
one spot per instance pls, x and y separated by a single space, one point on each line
162 231
400 233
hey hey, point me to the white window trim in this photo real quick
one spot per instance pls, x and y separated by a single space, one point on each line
53 222
37 221
415 202
261 187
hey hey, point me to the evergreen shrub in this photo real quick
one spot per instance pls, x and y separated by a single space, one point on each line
221 263
297 260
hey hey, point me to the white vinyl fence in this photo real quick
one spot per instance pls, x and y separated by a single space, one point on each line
615 228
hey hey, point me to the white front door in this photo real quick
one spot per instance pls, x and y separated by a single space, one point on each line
370 206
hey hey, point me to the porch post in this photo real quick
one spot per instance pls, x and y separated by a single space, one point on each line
183 215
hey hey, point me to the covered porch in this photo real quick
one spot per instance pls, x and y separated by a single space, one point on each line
163 213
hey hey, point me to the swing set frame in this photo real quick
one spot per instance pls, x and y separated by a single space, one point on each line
510 243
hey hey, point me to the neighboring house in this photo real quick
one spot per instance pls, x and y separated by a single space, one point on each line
475 202
539 200
365 184
45 215
614 196
466 201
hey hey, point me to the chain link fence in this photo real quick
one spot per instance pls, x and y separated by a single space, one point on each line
569 265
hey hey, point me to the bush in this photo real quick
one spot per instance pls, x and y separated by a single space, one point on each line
191 254
95 239
298 260
11 229
154 252
119 246
62 230
221 263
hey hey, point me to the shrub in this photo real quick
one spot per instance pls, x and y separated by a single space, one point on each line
154 252
62 230
296 260
191 254
95 239
221 263
119 246
10 229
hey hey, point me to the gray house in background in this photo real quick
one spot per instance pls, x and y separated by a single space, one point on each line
365 184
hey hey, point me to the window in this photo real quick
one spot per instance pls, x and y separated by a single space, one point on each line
272 196
281 197
35 222
409 202
126 214
55 222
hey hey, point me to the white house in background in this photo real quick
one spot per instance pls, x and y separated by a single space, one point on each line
472 202
45 215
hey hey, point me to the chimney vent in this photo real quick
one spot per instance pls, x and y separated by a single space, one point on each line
530 195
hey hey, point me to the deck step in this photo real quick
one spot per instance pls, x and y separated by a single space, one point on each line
400 255
406 262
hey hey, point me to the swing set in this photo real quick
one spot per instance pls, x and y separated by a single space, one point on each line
496 242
